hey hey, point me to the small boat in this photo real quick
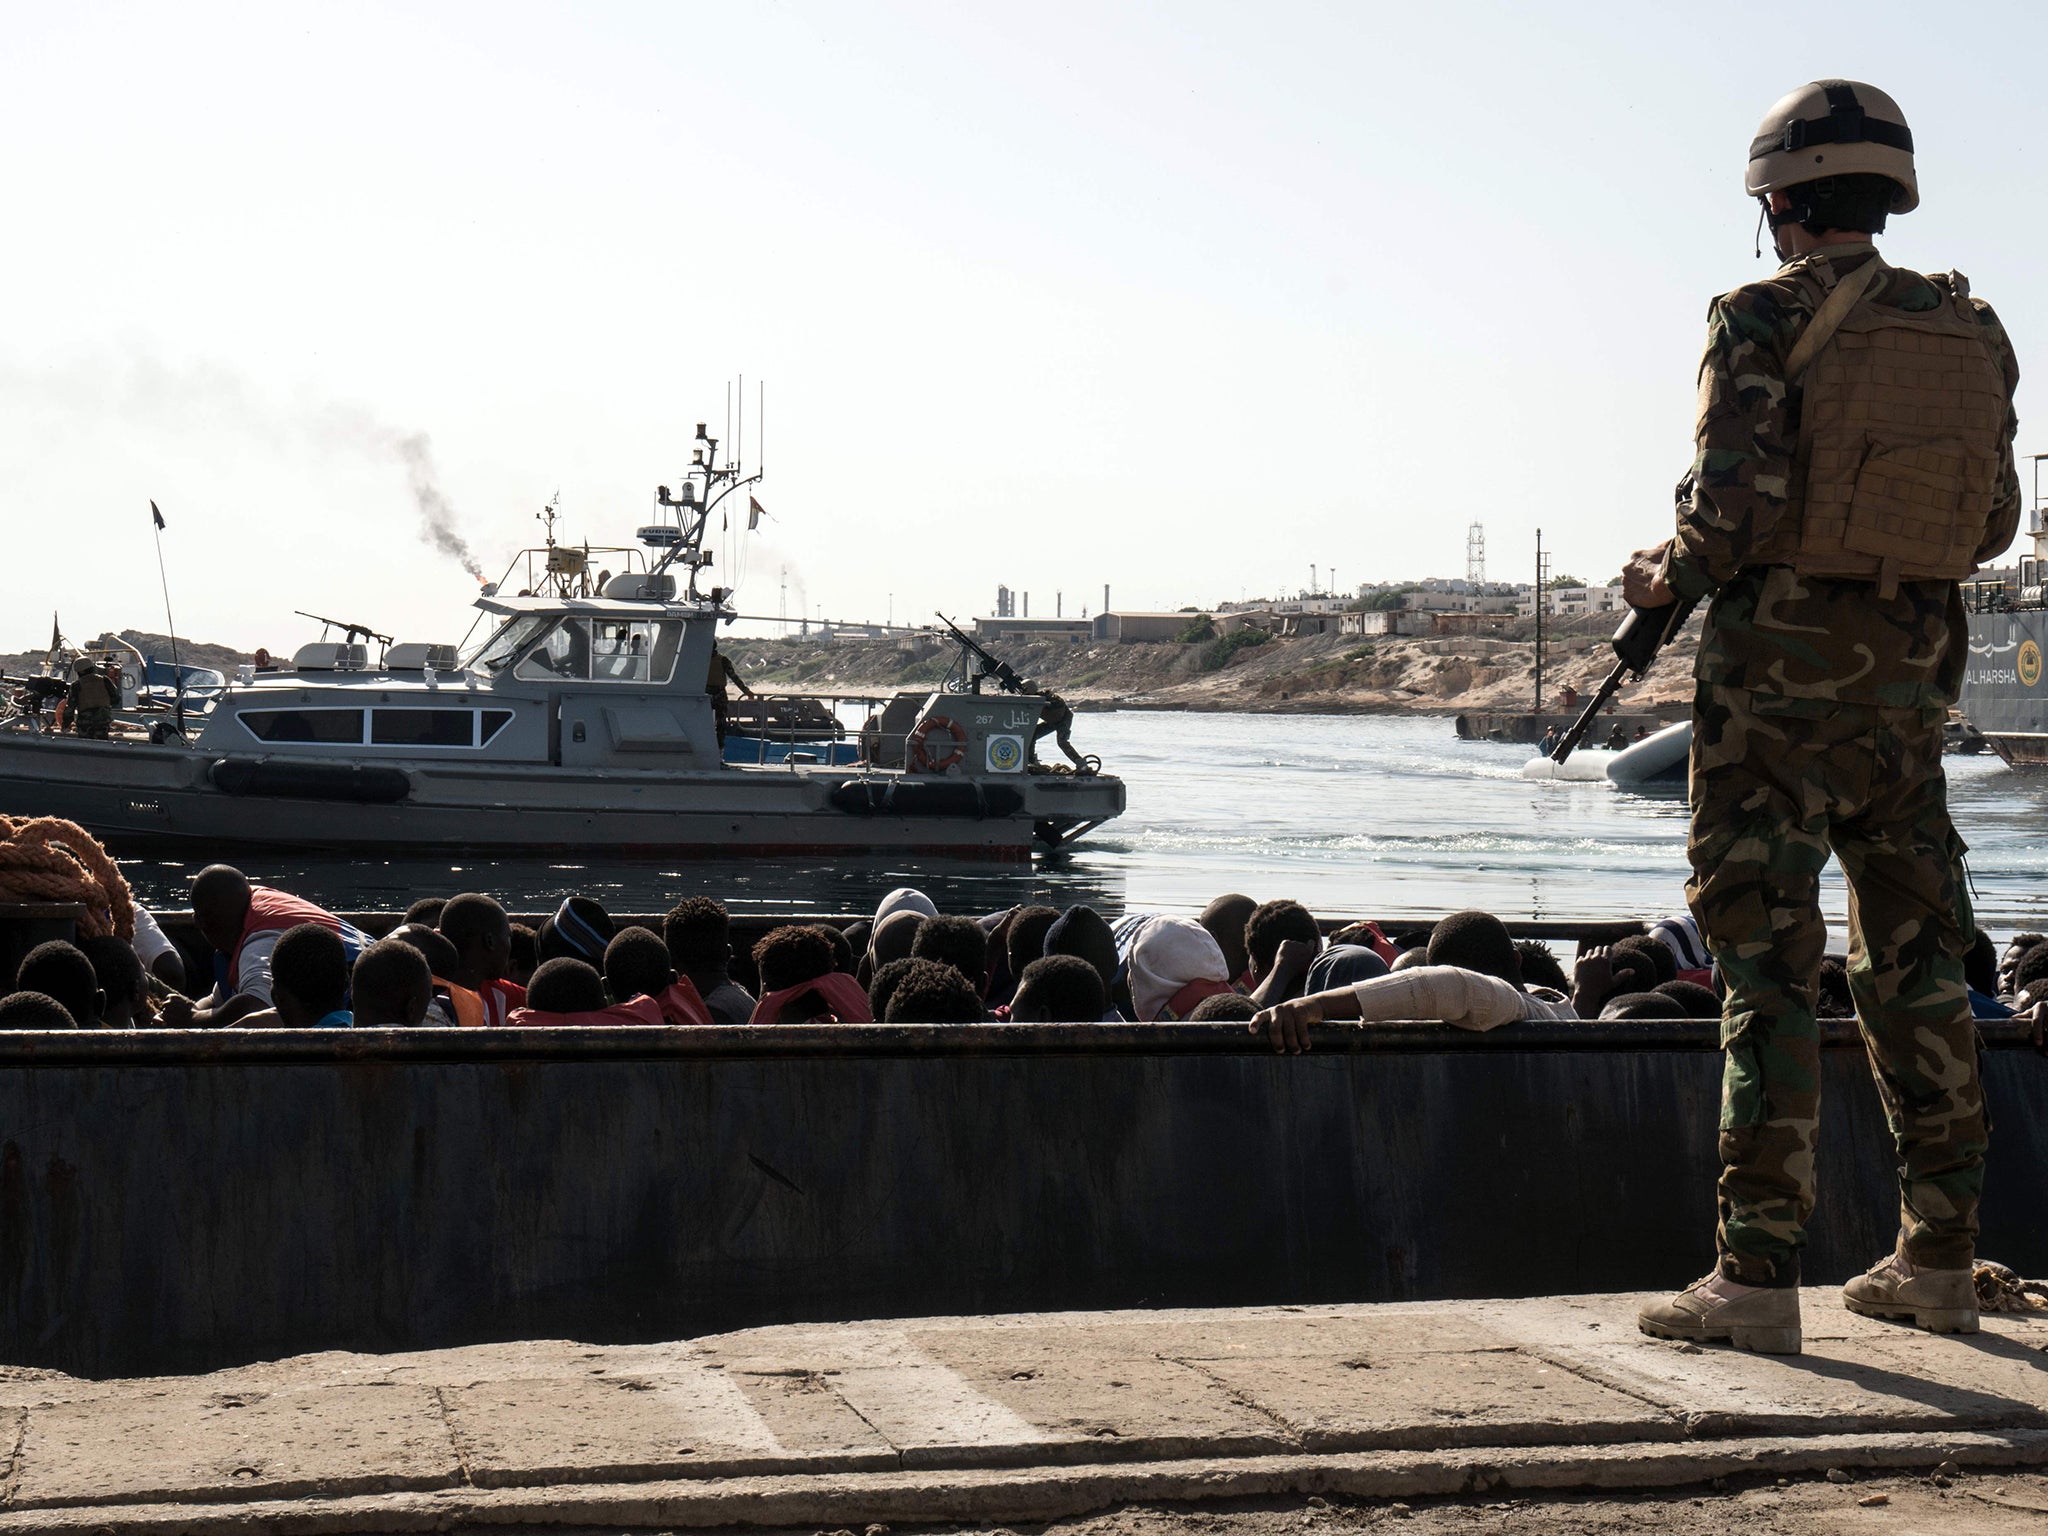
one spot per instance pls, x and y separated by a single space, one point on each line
152 690
1657 759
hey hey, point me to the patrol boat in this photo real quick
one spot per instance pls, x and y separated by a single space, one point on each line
2005 695
585 720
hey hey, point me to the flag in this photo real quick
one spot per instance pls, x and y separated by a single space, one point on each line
157 516
755 512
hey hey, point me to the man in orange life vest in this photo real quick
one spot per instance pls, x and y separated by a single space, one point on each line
243 922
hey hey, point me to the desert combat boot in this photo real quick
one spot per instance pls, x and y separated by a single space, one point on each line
1939 1300
1756 1317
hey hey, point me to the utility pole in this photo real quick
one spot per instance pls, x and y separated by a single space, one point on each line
1542 576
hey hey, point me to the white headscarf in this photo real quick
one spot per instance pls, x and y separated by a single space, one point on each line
1168 954
905 899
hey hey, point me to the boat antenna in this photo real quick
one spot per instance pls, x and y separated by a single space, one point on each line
156 518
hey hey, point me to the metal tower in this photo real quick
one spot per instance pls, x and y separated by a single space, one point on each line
1475 554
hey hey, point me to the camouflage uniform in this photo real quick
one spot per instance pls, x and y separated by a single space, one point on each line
1817 727
92 699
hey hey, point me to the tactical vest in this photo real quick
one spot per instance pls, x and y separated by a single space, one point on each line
95 692
1901 430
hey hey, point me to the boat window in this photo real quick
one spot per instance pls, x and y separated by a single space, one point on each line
668 640
503 647
337 726
495 720
423 727
564 653
634 650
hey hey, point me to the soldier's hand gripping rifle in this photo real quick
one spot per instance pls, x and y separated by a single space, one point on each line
1642 635
1001 671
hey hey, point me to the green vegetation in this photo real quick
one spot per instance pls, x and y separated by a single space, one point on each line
1359 652
1198 630
1389 601
1220 654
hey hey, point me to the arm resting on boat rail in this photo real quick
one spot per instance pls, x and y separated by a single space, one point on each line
1462 998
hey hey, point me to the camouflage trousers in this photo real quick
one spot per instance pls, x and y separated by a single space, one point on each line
95 724
1776 785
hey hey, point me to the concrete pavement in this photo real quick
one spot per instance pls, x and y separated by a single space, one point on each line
1006 1419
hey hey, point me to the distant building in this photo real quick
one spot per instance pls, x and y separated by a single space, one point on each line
1307 603
1388 621
1446 594
1026 629
1121 627
1572 602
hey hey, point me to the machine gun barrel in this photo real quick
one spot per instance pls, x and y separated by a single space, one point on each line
1001 671
1642 635
344 626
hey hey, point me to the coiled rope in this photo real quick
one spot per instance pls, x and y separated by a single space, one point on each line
43 858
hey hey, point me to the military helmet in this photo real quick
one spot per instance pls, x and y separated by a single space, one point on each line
1833 128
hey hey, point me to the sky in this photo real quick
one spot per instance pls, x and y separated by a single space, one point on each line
1183 299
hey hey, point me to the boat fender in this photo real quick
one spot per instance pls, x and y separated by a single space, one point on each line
311 781
927 758
909 797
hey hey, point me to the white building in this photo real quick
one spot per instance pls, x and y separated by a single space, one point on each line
1572 602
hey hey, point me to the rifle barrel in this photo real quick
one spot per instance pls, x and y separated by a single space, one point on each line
1584 723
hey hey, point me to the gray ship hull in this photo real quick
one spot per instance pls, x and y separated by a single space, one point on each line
2005 690
138 797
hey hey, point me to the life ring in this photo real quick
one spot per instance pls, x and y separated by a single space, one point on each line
922 758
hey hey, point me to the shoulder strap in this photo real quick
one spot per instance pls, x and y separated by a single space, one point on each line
1959 294
1842 298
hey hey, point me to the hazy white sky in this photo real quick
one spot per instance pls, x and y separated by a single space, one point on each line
1180 298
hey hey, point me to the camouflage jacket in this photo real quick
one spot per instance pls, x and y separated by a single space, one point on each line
1770 630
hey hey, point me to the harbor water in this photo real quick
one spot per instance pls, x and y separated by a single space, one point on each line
1351 814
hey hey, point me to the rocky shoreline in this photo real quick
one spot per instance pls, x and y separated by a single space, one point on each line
1319 674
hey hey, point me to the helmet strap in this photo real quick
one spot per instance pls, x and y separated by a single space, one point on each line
1763 211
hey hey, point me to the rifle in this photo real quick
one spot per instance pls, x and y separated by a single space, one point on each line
1644 633
1001 671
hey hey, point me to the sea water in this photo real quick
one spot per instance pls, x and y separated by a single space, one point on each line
1365 815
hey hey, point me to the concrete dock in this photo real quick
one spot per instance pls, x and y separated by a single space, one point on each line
1008 1419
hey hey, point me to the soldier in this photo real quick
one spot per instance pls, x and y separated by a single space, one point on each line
1055 719
91 702
1854 462
716 676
